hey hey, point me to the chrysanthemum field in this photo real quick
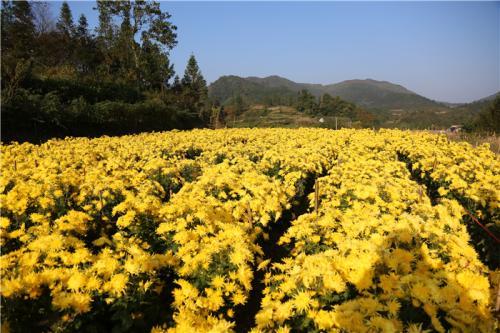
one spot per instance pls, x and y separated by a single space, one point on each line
261 230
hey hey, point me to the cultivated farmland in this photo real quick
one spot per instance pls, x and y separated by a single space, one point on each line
269 230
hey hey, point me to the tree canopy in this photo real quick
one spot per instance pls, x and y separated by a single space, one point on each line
61 78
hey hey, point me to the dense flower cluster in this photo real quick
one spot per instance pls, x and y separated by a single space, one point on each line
459 171
376 256
163 231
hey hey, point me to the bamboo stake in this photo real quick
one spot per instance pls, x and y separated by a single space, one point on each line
497 307
420 192
316 197
249 213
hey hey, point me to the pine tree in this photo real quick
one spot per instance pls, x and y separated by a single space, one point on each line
86 55
195 88
82 29
18 46
68 44
22 30
176 85
65 23
192 74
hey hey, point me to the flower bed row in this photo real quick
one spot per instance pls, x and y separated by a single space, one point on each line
469 175
376 256
85 232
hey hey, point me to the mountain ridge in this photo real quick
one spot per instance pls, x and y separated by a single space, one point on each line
369 93
278 82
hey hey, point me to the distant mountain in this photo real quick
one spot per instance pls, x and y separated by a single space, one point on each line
489 98
228 87
368 93
379 94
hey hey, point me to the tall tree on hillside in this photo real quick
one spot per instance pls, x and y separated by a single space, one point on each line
155 67
195 88
306 102
82 29
86 48
176 84
66 29
325 103
50 51
126 46
18 45
105 28
7 19
44 23
65 24
335 106
489 118
136 32
20 30
105 37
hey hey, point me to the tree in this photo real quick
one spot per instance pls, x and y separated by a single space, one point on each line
489 118
67 44
61 79
192 75
65 23
105 31
18 45
44 22
7 17
20 30
325 105
155 68
87 55
135 33
194 87
82 29
306 102
238 105
335 106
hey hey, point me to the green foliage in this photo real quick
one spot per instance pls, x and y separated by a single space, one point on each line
60 79
226 88
485 246
306 102
135 38
280 91
65 23
335 106
378 103
489 118
194 86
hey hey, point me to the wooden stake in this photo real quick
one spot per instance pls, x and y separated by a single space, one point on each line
316 197
249 215
497 307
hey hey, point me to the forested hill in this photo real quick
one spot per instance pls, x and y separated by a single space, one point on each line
62 78
367 93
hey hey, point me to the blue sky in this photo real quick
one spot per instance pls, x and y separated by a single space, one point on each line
448 51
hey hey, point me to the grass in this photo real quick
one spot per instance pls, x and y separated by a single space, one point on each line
283 116
477 139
